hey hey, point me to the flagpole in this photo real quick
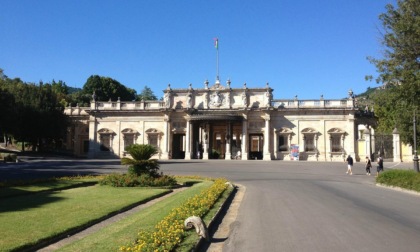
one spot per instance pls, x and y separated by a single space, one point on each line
216 44
217 62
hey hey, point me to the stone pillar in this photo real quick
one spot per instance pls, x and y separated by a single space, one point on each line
276 144
206 142
396 145
166 138
244 140
93 137
228 154
267 153
372 141
368 143
188 141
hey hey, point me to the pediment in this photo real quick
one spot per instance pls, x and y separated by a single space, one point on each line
129 131
285 131
309 131
153 131
105 131
336 131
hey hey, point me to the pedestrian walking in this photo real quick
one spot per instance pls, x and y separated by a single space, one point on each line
380 166
368 165
349 161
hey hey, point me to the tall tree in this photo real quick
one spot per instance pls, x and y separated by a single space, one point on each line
399 69
107 88
147 94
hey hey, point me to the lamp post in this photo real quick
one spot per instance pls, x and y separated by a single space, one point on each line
415 158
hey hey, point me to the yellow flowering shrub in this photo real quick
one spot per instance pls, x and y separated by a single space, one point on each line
169 232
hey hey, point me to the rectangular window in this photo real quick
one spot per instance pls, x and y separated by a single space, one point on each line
153 140
309 143
283 143
128 140
335 143
105 141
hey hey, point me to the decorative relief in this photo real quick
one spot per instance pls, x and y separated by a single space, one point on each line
244 99
217 99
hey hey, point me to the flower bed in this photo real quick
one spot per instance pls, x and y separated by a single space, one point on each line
170 231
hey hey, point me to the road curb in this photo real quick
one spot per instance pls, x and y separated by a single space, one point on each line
216 220
399 189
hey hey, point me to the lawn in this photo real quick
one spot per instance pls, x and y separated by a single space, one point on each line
30 218
407 179
49 185
125 231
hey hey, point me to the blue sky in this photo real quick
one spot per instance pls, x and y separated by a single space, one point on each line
306 48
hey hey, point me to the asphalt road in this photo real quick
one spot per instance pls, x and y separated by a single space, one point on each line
307 206
288 206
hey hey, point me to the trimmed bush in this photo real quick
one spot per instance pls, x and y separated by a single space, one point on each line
141 162
407 179
9 157
132 180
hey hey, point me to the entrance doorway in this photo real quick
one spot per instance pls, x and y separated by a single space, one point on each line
218 144
178 146
256 144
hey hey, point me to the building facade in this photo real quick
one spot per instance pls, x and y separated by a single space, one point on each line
219 122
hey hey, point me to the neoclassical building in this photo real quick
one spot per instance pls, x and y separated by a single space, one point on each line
221 122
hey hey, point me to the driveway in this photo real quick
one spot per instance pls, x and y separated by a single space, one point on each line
288 205
312 206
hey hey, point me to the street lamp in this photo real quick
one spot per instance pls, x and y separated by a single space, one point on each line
415 158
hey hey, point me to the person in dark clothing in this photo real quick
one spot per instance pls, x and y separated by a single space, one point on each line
349 161
380 166
368 165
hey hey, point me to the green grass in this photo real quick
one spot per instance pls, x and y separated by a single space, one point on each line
28 219
407 179
57 184
125 231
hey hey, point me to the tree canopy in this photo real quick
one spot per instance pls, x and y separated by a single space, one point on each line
106 88
147 94
31 112
399 69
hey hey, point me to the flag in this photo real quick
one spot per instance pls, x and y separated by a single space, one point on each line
216 43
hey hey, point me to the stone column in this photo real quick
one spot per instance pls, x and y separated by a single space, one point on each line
267 153
166 138
372 141
206 142
228 154
244 139
93 137
396 145
188 141
275 143
368 143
